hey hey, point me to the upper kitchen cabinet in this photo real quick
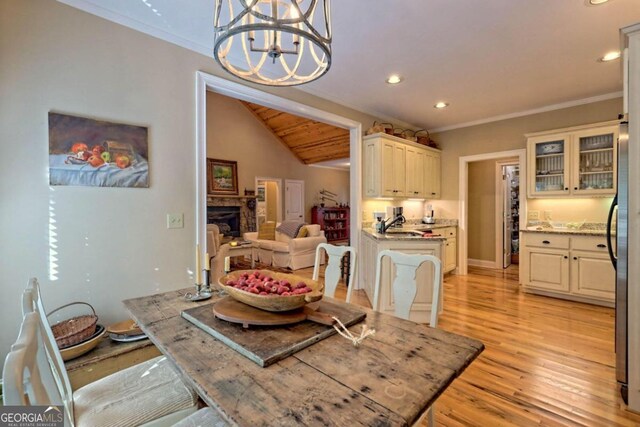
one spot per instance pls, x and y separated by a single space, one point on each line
579 161
395 167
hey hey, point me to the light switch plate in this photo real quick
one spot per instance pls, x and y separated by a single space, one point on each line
533 215
175 220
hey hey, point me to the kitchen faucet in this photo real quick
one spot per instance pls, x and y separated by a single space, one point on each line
384 226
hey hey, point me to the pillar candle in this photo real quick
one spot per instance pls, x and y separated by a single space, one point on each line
198 281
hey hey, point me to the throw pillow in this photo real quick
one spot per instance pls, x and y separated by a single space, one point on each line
267 231
304 232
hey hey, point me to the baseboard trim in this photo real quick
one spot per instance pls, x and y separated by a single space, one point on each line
481 263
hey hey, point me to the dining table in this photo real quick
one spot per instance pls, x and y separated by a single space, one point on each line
390 379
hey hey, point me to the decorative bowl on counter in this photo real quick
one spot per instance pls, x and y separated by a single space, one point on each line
273 302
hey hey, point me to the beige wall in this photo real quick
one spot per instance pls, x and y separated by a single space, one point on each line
482 211
233 133
99 245
509 135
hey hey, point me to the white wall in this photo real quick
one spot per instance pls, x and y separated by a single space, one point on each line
99 245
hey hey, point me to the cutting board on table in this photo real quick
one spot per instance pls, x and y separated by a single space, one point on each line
266 345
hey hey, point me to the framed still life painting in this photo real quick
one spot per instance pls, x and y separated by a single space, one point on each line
222 177
89 152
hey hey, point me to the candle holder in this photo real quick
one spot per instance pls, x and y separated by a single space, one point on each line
200 295
207 282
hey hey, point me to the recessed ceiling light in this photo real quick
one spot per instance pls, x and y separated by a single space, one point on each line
595 2
394 79
440 105
611 56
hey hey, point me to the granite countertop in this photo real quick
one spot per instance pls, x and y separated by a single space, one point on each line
392 236
584 229
577 232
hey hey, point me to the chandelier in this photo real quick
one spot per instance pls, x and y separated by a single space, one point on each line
273 42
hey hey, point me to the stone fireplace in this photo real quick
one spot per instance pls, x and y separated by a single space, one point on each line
234 215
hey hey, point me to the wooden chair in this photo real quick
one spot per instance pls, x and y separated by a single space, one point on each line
148 394
404 289
332 271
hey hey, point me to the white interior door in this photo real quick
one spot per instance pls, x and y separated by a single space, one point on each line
294 200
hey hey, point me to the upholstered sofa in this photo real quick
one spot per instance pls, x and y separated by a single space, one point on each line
286 252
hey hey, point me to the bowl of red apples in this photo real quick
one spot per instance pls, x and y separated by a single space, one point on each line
271 291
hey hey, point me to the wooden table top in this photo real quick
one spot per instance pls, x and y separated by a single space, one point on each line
391 379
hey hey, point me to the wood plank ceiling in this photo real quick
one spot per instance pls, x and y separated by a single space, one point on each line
310 141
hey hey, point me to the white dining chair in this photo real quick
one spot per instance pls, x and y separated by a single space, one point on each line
22 383
205 417
333 270
405 288
148 394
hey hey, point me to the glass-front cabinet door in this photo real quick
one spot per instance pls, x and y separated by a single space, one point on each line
595 161
549 160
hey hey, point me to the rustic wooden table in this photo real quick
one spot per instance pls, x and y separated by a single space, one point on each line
391 379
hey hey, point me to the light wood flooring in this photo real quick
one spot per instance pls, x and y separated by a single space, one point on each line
547 362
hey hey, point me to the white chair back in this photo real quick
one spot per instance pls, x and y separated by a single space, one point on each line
332 272
51 352
404 284
22 384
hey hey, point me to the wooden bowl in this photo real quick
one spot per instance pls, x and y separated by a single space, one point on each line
85 346
126 327
276 302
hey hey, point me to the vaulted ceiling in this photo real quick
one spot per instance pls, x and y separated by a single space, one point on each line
310 141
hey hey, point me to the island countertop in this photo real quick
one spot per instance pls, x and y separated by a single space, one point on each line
397 233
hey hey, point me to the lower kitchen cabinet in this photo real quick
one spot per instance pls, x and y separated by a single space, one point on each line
450 261
569 267
370 247
548 269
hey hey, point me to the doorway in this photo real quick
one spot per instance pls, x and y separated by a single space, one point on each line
209 83
268 200
464 211
507 213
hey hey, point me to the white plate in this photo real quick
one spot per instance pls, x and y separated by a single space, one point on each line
125 338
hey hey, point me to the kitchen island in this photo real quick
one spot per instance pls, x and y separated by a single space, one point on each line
407 240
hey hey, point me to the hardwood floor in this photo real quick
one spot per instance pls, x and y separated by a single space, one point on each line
547 362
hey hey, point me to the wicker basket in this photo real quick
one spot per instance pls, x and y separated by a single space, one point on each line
75 330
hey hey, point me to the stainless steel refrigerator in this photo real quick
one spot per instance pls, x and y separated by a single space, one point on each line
617 243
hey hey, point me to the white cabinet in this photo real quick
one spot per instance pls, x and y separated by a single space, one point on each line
415 172
397 168
450 261
432 173
570 267
579 161
370 247
548 269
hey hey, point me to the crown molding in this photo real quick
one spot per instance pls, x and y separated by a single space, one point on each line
545 109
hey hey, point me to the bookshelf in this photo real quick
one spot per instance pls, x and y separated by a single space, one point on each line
334 222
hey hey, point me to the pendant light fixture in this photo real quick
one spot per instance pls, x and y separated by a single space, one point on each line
273 42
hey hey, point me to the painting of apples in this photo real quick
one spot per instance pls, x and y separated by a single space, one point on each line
91 152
